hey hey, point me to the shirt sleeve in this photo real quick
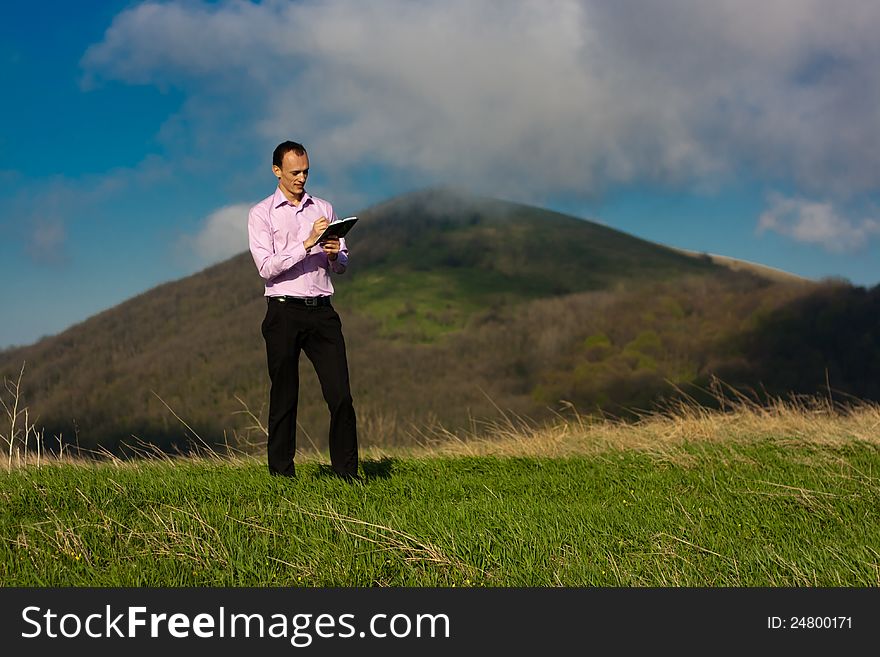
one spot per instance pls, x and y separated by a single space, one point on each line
271 259
339 265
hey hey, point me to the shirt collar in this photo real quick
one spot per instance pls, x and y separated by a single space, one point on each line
280 199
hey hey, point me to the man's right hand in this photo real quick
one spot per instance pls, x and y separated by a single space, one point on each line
317 228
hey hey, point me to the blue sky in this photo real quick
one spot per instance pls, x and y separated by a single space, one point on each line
135 135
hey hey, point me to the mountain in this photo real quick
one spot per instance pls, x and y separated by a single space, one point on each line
426 262
456 310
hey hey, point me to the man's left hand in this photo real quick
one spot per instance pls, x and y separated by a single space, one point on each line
331 248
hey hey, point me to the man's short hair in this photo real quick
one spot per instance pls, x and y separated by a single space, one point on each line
283 149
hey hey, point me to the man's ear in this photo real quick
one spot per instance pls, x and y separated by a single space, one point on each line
276 170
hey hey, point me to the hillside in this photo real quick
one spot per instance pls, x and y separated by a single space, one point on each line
785 496
426 262
456 309
736 264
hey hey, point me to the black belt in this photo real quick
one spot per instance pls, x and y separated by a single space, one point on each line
302 301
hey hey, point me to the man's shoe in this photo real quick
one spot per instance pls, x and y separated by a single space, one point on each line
284 475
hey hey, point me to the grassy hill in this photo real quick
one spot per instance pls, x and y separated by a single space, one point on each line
427 262
783 496
456 310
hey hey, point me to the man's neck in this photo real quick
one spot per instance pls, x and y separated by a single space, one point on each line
294 199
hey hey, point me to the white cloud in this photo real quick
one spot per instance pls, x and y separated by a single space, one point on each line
41 226
222 234
816 222
531 97
46 240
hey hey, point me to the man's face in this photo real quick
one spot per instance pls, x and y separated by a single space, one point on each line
293 173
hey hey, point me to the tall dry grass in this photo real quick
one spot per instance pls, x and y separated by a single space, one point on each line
20 438
738 418
735 418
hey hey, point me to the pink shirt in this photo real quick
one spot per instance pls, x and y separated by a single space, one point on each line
276 232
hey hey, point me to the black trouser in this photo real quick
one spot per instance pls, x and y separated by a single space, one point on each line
316 330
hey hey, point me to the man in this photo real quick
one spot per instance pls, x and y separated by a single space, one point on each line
283 230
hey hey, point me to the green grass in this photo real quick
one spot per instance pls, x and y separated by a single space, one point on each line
751 514
423 306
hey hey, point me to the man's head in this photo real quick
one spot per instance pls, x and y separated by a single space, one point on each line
290 163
